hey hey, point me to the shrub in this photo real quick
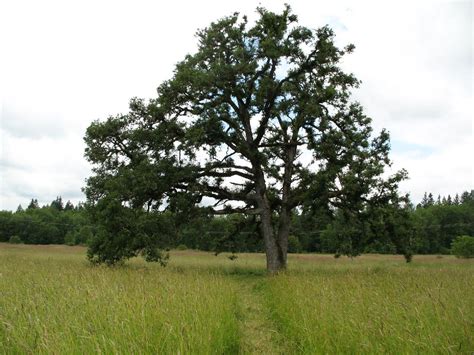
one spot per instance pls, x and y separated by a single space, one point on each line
14 239
181 247
70 238
463 247
84 235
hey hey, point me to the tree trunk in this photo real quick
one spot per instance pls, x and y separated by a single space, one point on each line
276 245
274 249
284 232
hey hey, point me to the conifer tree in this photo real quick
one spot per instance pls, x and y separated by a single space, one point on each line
33 204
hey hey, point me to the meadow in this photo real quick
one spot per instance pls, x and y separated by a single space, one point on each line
53 301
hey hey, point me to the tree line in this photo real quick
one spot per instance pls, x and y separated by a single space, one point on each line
427 228
437 222
56 223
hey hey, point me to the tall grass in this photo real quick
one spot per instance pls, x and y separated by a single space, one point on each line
56 304
371 308
53 301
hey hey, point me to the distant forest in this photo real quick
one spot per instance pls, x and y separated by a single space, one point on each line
429 226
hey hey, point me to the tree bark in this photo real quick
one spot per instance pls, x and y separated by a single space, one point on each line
276 242
276 255
275 250
285 212
284 232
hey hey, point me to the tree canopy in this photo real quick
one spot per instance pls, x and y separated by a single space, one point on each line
258 121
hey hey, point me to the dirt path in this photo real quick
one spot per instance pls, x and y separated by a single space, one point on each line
258 332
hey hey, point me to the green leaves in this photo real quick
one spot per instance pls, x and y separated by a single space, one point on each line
124 233
236 124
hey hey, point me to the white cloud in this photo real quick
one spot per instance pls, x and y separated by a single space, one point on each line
64 64
438 172
41 168
415 63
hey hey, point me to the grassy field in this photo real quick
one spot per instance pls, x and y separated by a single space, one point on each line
53 301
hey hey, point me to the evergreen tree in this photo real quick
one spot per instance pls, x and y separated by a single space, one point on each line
456 200
58 204
424 201
33 204
449 200
430 200
69 206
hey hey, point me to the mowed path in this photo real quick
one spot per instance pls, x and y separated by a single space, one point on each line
258 333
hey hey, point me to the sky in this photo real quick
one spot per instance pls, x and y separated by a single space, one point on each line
64 64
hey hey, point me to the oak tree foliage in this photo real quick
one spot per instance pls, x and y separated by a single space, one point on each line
259 121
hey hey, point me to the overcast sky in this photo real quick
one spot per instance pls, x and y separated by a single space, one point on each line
66 63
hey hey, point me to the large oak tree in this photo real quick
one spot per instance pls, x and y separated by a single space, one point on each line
258 121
